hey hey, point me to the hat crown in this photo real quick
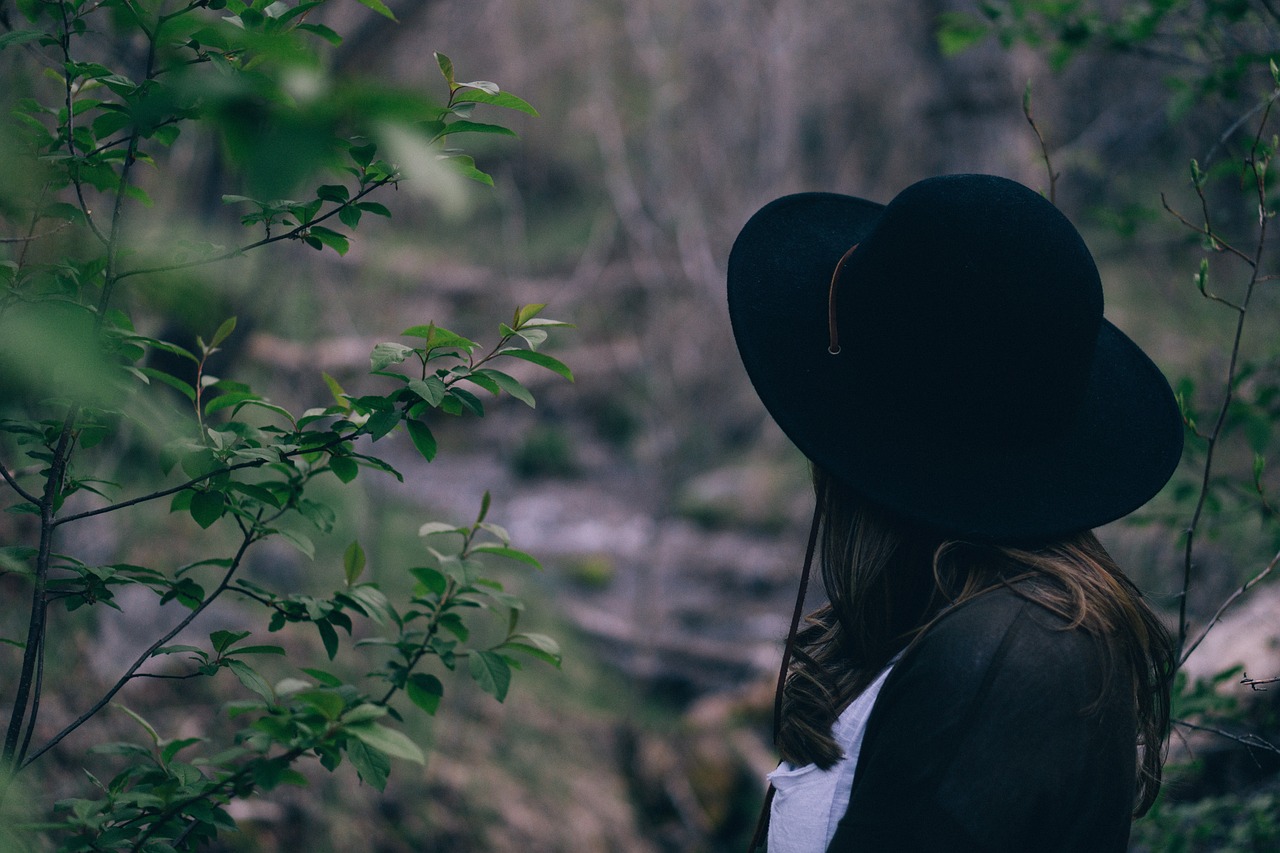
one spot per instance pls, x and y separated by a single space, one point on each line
973 310
978 389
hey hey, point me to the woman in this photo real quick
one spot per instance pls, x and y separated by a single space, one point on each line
984 678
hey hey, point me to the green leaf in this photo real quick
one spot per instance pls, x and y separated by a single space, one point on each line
228 326
363 156
340 243
425 691
226 401
372 764
422 439
432 579
542 360
431 389
379 7
258 493
328 702
329 637
467 399
137 718
959 31
388 353
539 646
381 423
394 743
299 541
435 337
259 650
344 468
290 686
491 672
326 678
222 640
173 747
368 598
446 68
509 384
353 562
497 99
323 32
480 378
433 527
364 712
465 165
207 507
333 192
335 389
525 313
512 553
250 679
474 127
19 37
172 381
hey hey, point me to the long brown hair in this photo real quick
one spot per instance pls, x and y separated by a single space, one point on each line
888 579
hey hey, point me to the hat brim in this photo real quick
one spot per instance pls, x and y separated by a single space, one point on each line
1118 451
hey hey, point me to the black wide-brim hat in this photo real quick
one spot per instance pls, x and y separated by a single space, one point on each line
975 386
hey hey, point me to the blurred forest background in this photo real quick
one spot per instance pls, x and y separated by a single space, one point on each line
667 510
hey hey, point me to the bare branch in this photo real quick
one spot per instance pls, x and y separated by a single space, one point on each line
13 484
1044 147
1259 170
32 237
1219 245
1256 683
1230 600
1248 740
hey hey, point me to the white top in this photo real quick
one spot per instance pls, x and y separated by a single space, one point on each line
809 802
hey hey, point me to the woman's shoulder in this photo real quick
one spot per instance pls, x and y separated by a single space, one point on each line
1004 636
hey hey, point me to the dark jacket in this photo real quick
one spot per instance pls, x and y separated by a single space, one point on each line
993 734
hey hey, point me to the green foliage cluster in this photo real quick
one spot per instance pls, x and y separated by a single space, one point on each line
95 91
1227 824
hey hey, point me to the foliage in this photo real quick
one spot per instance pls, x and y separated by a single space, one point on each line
1226 824
96 91
1211 46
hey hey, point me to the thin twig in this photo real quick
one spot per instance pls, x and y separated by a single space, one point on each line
1230 600
1044 147
1237 124
13 484
65 42
1255 263
31 237
194 481
1218 243
1256 683
293 234
1247 740
33 652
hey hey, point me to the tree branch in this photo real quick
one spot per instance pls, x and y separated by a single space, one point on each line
1248 740
146 655
239 466
293 234
13 484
